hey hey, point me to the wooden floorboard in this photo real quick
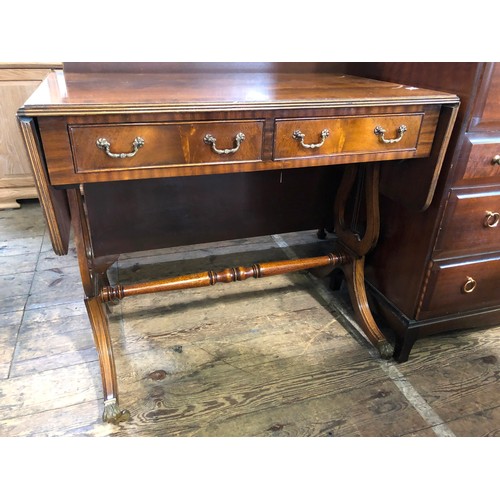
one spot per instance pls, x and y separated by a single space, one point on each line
465 377
273 357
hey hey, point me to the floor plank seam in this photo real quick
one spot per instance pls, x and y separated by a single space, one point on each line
407 390
21 323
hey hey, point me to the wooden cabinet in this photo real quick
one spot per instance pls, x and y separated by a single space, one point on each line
439 270
17 83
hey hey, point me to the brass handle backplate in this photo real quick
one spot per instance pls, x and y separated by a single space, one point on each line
210 139
495 160
299 136
104 144
491 219
469 285
381 131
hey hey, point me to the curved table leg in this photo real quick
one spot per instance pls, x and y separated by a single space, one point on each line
93 274
355 280
361 184
100 329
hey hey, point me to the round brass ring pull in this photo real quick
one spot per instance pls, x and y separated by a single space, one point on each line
104 144
491 219
381 131
470 285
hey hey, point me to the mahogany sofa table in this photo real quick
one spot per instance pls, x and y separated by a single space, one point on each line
134 161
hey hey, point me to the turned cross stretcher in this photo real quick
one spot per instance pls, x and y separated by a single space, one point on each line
140 160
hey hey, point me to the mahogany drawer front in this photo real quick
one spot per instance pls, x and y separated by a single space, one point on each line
483 161
456 286
471 223
164 144
346 135
75 149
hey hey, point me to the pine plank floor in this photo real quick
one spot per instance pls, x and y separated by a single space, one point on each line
272 357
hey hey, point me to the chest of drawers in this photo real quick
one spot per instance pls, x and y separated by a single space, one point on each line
451 271
136 161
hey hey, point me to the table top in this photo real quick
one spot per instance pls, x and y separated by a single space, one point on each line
99 93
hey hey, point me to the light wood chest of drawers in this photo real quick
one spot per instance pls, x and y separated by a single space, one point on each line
17 82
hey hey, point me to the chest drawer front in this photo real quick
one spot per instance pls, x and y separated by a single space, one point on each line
483 161
471 223
164 144
346 135
459 286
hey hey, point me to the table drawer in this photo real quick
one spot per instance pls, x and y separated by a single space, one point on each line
471 223
346 135
139 145
484 158
461 285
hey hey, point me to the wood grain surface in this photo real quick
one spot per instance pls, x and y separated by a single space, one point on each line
117 92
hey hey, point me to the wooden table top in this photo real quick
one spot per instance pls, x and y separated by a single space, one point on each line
98 93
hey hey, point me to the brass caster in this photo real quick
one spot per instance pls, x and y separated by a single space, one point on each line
112 413
385 349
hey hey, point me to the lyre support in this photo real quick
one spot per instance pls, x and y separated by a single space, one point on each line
359 244
359 241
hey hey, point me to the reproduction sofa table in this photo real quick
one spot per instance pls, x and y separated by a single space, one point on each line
133 161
